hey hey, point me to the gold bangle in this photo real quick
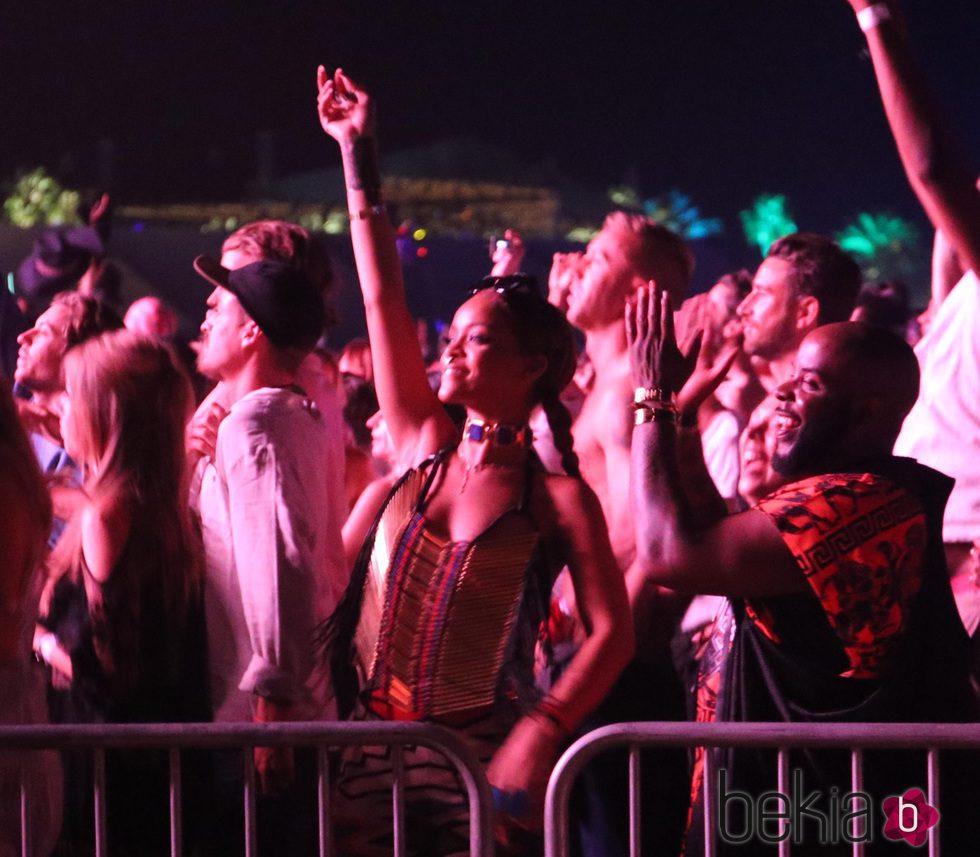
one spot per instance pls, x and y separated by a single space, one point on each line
659 394
654 415
656 405
366 213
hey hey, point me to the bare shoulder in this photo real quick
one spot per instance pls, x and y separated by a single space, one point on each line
104 531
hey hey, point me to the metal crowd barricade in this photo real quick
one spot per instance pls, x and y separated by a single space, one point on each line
321 735
931 737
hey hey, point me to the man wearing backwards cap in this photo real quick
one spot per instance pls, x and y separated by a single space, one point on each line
260 503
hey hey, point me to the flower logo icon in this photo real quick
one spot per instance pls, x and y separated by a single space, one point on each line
909 817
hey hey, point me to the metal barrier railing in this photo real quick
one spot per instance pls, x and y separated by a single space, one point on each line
323 736
931 737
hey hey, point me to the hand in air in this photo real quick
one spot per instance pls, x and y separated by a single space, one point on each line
345 110
655 359
507 260
710 369
564 267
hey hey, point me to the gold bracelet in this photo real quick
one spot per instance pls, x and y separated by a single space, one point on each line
654 415
366 213
656 405
658 394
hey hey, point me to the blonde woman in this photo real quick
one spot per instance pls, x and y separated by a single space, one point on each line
123 631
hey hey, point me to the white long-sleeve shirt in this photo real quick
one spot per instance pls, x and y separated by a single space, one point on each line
270 514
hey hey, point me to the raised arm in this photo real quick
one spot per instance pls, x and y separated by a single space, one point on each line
938 173
417 421
689 548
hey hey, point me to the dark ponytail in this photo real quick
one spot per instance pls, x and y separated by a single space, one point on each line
560 422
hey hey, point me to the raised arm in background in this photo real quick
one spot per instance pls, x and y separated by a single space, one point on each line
936 169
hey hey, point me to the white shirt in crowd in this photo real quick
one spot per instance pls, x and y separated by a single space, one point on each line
943 429
271 505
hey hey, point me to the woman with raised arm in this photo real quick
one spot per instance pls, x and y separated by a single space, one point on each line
442 615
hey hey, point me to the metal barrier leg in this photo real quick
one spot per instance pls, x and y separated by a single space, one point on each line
857 785
782 783
25 829
99 786
635 842
323 798
398 798
251 848
176 816
708 798
932 775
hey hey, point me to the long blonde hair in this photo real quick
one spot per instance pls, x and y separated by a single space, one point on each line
130 401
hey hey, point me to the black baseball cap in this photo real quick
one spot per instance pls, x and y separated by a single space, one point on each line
281 299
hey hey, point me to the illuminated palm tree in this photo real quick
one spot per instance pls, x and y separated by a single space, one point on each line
883 245
676 211
767 220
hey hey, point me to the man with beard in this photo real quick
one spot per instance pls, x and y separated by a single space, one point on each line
838 584
805 281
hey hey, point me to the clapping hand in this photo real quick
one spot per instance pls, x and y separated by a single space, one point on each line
655 360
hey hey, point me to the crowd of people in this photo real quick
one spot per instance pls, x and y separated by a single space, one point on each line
754 504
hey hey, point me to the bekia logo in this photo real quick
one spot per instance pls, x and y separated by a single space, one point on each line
909 817
810 816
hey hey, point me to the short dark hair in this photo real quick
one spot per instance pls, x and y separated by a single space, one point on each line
740 281
885 305
821 270
88 318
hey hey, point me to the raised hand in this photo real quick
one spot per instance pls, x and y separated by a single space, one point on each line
655 359
507 260
345 110
563 270
710 369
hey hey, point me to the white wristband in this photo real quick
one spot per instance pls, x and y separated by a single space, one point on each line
46 646
871 16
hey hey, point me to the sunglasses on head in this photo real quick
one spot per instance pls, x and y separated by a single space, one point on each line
510 283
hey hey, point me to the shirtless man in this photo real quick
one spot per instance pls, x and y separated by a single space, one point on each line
593 288
628 252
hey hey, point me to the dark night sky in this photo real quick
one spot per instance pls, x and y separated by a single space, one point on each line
721 98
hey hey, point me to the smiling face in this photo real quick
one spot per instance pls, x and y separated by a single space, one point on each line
816 414
42 351
483 366
768 313
756 447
